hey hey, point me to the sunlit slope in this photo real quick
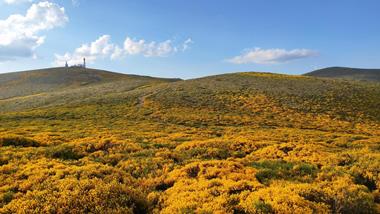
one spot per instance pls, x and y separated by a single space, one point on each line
255 98
233 143
273 95
55 79
239 98
348 73
59 86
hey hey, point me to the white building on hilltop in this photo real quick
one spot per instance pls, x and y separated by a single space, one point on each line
78 65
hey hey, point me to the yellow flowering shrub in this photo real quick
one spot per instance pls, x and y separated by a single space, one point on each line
236 143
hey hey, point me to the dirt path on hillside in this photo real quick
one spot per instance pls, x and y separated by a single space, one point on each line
142 99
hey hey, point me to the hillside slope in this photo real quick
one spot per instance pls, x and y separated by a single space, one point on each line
348 73
232 143
53 79
241 92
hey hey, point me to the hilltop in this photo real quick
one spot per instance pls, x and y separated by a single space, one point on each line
233 143
348 73
57 79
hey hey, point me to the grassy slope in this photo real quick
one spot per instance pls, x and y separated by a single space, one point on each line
53 79
59 86
245 142
348 73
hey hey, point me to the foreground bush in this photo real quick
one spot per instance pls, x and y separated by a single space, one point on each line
340 196
18 141
80 196
64 152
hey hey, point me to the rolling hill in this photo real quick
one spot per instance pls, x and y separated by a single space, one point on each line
233 143
55 79
348 73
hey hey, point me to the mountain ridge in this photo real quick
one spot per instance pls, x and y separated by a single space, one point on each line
347 73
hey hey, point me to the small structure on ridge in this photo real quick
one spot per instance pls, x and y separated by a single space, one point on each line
78 65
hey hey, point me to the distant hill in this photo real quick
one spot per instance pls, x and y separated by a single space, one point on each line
348 73
227 93
52 79
58 87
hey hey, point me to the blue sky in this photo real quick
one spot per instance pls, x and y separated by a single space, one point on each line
187 39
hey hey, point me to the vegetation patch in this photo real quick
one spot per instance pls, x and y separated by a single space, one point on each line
64 152
6 198
280 169
18 141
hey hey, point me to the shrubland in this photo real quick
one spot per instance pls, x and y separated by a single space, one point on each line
235 143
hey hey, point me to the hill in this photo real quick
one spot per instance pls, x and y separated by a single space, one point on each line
233 143
53 79
348 73
233 92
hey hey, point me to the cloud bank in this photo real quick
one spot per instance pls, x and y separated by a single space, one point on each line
271 56
103 48
20 34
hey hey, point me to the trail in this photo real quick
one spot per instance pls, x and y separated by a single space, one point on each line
142 99
20 97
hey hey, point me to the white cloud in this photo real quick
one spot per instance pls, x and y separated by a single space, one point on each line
16 1
186 44
100 48
19 34
117 53
271 56
104 48
151 49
